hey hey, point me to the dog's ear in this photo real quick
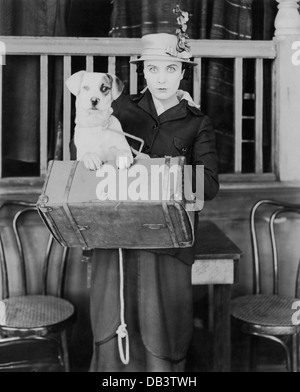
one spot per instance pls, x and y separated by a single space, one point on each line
74 81
117 86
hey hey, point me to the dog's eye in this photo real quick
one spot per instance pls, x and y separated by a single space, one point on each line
86 88
104 89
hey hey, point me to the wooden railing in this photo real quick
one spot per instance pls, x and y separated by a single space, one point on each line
113 48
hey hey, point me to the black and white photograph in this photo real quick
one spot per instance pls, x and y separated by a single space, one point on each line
149 188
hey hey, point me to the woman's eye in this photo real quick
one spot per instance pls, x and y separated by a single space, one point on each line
153 69
86 88
171 69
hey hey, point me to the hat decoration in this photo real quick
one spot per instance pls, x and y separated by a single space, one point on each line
181 31
161 46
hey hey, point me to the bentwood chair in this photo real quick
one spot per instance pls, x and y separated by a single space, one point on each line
32 269
268 313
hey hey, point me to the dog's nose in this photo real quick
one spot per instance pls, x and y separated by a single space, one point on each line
95 101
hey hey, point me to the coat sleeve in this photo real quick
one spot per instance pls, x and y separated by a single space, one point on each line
204 153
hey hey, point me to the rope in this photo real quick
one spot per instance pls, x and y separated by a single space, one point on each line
122 331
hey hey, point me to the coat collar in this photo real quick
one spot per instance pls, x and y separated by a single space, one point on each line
145 102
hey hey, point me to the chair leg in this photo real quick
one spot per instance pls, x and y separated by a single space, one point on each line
65 351
298 351
295 353
253 353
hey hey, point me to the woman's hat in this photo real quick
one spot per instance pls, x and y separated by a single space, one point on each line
163 46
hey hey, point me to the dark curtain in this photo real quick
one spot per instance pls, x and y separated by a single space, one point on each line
21 76
21 83
227 20
89 18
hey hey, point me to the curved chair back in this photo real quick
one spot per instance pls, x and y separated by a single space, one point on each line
22 212
278 209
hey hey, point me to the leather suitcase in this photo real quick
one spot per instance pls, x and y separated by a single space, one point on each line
74 205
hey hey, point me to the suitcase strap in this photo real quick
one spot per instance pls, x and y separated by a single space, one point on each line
67 210
166 181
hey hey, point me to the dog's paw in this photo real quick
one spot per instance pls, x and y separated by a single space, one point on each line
92 161
124 159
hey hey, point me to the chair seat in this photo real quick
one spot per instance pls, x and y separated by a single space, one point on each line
264 310
38 311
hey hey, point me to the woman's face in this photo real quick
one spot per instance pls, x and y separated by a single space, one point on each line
163 77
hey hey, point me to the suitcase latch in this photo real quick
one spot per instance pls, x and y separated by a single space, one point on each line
154 226
82 228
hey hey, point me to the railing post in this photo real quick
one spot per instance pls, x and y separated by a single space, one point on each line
287 39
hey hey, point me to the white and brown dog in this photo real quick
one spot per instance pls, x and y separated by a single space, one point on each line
98 134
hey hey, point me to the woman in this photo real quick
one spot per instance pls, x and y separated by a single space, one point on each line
157 283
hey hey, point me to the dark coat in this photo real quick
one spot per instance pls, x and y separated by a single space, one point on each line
181 130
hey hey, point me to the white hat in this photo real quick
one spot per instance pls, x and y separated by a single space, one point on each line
163 46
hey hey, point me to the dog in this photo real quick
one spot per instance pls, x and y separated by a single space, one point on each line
98 134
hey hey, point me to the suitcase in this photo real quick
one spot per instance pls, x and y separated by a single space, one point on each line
109 209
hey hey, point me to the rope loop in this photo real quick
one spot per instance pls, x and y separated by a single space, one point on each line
122 330
123 334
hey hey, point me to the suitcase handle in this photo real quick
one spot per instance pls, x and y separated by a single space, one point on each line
134 138
137 139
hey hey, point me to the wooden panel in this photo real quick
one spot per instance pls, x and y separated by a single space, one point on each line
1 145
197 81
89 63
222 329
112 65
229 179
67 110
259 84
43 114
213 272
238 112
133 78
235 204
132 46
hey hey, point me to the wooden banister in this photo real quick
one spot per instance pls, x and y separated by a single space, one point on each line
43 114
287 21
259 91
238 113
113 48
66 110
287 40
